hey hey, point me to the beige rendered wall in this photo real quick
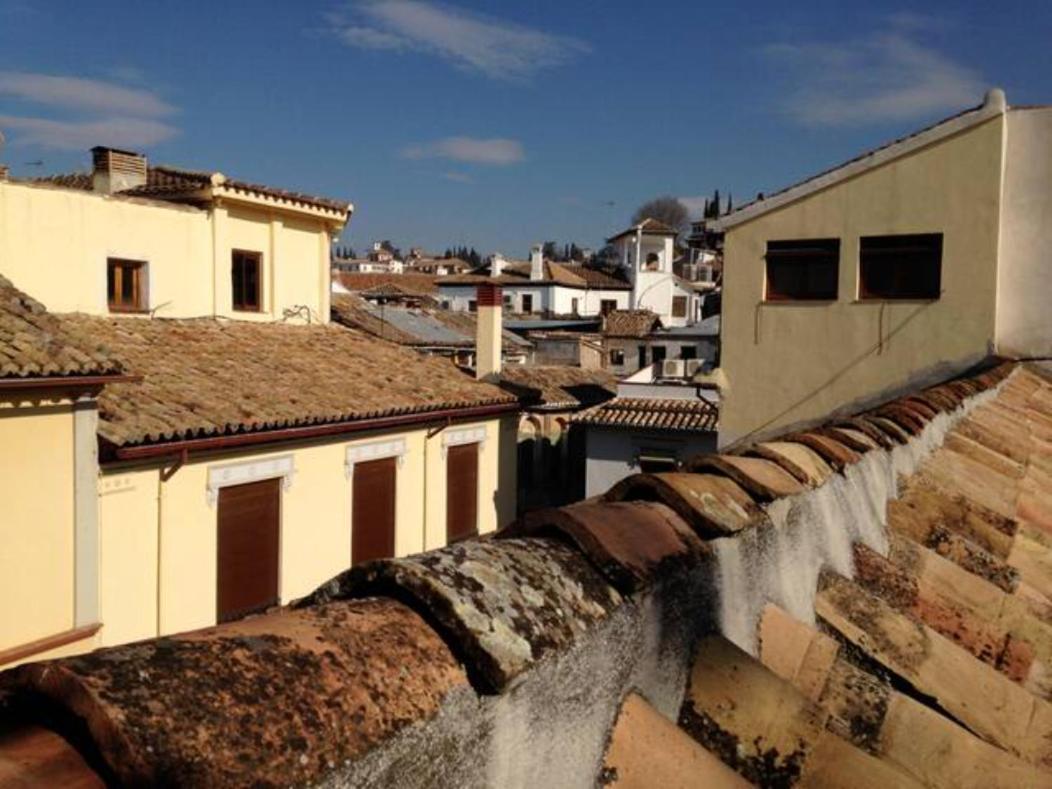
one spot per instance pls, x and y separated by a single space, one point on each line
54 244
1024 301
788 363
138 513
36 520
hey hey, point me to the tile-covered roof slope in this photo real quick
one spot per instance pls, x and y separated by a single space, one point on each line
204 378
864 604
558 386
653 413
356 282
425 327
630 323
179 184
571 275
36 344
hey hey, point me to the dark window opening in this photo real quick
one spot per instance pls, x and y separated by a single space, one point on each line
473 306
658 353
617 357
900 267
652 262
126 285
527 302
606 306
642 356
246 280
688 352
804 270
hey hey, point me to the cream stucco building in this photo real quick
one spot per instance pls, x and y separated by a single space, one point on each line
184 436
905 265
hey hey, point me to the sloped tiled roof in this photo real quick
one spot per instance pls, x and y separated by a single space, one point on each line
558 386
630 323
179 184
357 282
794 613
413 326
572 275
653 413
204 378
36 344
648 227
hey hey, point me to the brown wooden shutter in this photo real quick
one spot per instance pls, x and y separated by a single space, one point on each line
248 544
462 492
373 510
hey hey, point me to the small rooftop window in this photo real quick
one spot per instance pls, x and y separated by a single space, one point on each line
126 285
802 270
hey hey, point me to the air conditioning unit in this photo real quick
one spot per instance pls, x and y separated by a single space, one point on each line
672 368
693 367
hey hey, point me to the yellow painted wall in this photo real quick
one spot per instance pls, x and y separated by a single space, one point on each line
54 244
36 521
788 363
315 532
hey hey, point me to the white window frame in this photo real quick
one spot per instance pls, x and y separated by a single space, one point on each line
464 435
249 471
374 450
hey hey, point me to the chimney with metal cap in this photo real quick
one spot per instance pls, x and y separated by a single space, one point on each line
537 263
488 332
116 171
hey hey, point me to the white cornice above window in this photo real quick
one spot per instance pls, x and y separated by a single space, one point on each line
250 471
461 436
377 450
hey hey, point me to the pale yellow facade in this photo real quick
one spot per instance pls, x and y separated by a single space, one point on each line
788 363
54 244
158 538
36 519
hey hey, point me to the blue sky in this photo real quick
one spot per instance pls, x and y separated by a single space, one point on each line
501 124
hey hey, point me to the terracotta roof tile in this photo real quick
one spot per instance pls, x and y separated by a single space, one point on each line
653 414
36 344
356 282
558 386
203 378
630 323
572 275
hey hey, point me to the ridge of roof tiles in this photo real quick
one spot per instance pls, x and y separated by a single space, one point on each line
653 413
941 646
204 377
37 344
574 275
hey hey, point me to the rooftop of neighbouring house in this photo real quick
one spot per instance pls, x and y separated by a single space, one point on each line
195 187
630 323
866 603
35 344
558 387
356 282
571 275
648 227
205 378
415 326
654 413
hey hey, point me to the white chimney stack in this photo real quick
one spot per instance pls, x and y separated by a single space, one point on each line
497 264
488 332
116 171
537 263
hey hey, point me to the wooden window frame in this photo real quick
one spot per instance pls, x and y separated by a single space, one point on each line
803 259
683 301
606 306
116 271
257 257
910 265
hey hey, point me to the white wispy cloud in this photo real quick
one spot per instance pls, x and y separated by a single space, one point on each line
494 151
78 113
888 76
76 93
478 43
458 177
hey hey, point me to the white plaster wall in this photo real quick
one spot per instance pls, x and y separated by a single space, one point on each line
1024 292
610 453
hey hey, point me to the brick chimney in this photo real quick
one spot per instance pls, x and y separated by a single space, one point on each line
488 332
116 171
537 263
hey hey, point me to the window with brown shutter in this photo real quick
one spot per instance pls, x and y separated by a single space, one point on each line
679 306
462 492
373 510
246 280
803 270
249 527
126 285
